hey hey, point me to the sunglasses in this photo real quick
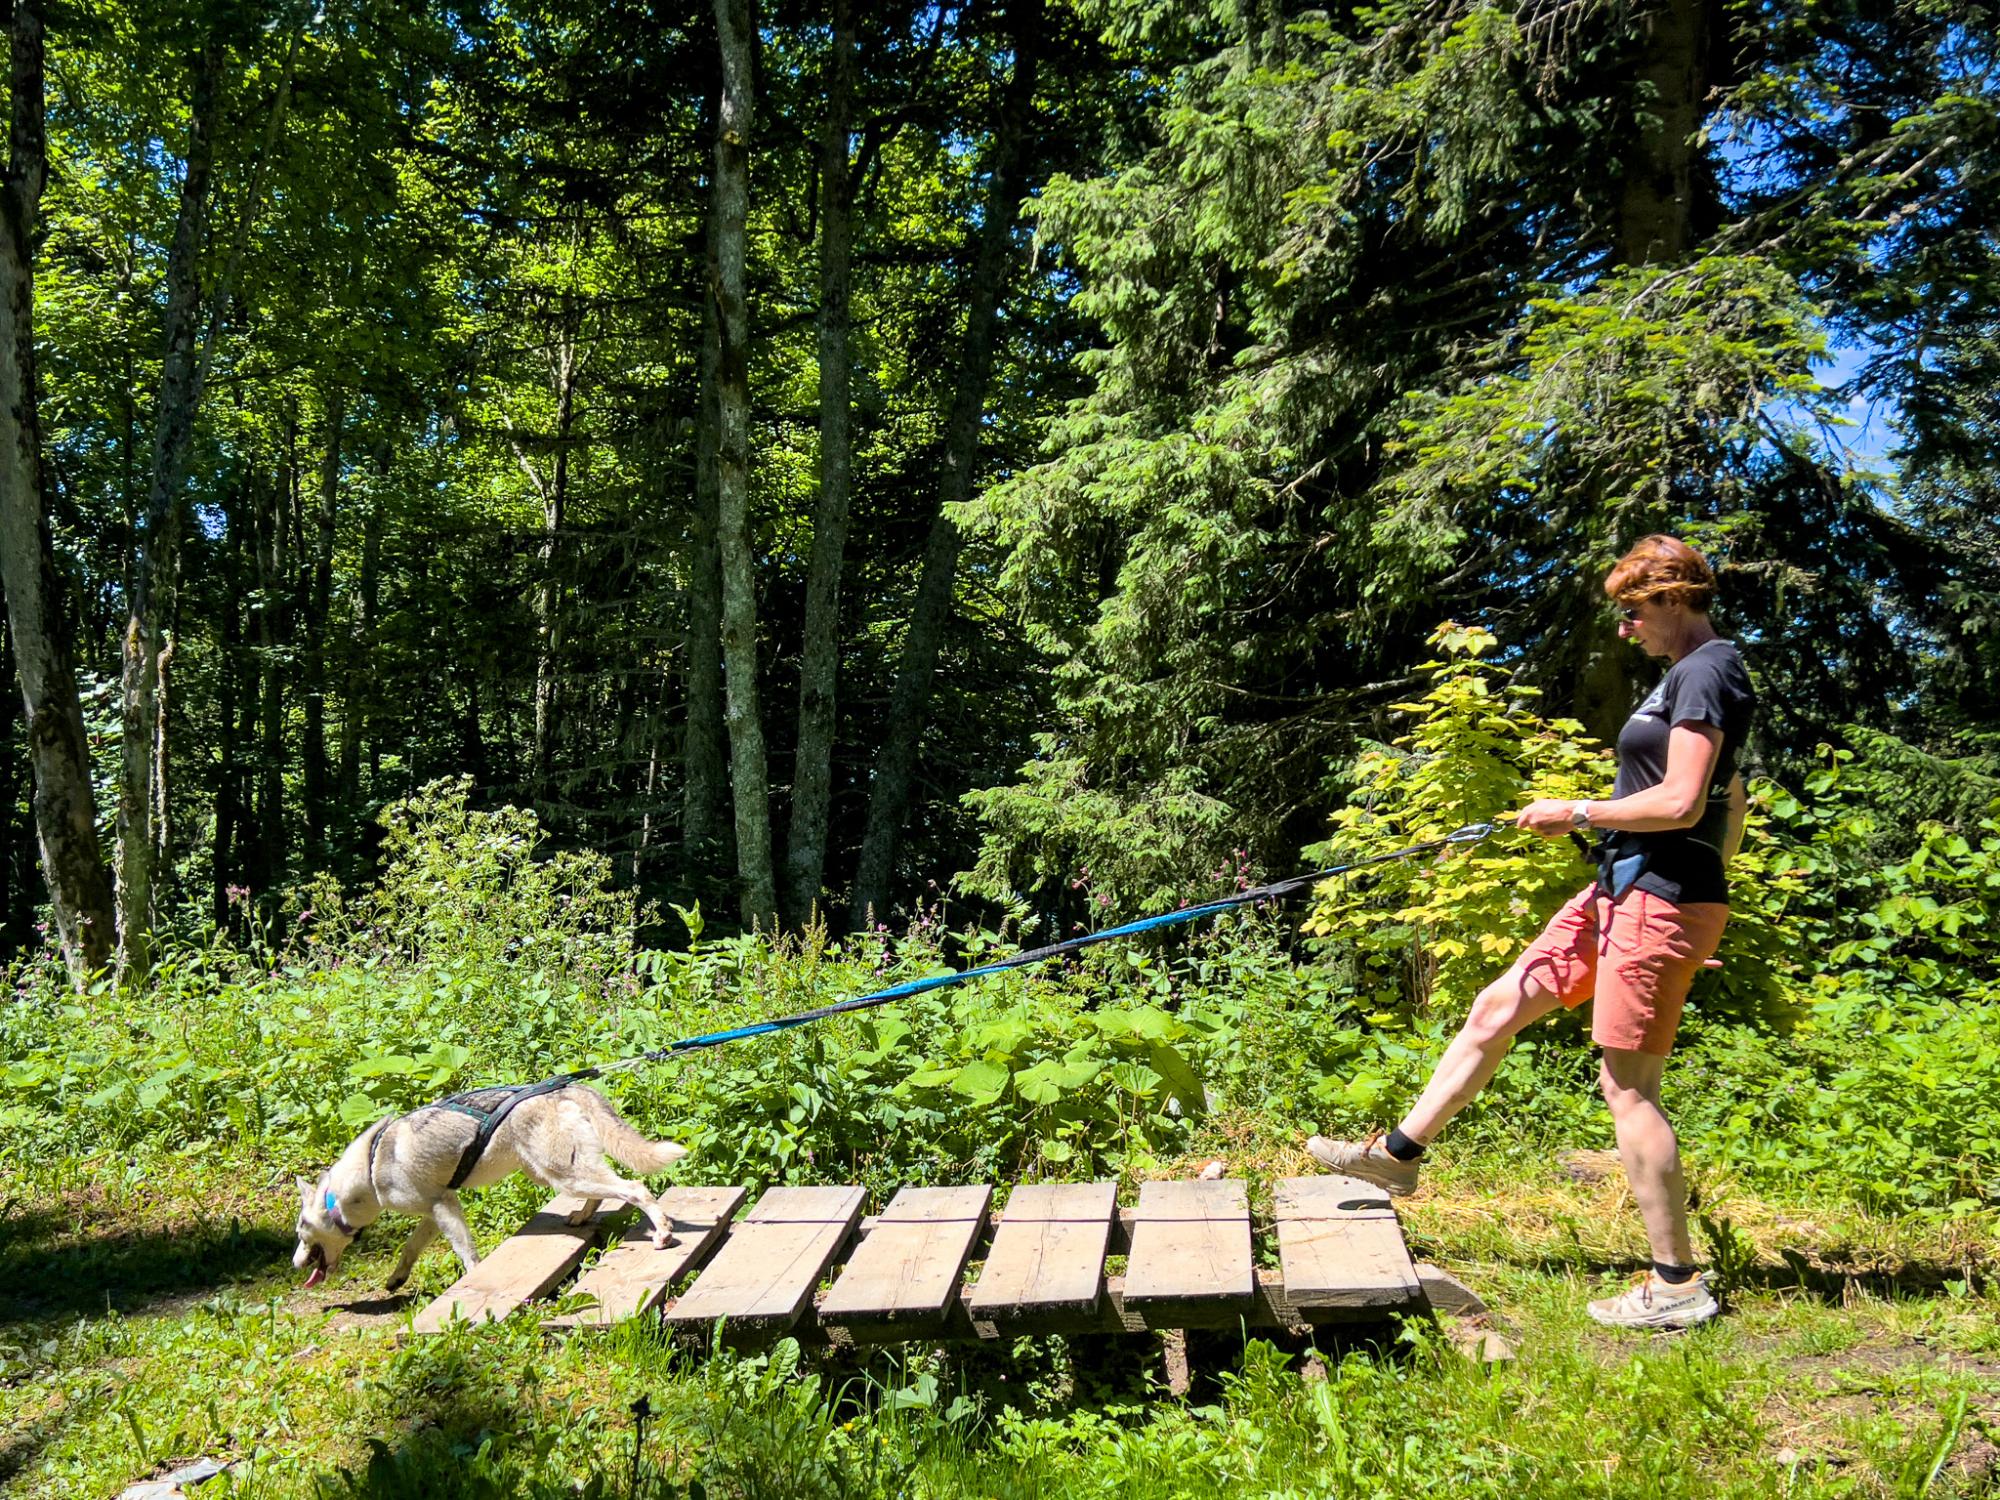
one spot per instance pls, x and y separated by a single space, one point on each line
1628 612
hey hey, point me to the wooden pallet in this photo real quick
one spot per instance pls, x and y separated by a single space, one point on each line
936 1263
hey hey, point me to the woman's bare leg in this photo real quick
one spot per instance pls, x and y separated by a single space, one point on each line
1649 1149
1507 1005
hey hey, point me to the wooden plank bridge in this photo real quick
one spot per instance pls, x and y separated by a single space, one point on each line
941 1263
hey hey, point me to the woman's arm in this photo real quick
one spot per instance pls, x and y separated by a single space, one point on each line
1677 802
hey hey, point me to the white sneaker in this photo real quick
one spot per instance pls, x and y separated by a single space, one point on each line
1369 1160
1652 1303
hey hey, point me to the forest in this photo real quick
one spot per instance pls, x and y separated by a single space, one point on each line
530 528
812 459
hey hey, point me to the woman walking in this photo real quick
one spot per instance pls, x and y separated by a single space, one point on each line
1635 938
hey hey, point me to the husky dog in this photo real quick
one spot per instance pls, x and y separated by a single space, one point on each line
405 1164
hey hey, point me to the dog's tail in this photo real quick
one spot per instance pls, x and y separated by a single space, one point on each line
627 1146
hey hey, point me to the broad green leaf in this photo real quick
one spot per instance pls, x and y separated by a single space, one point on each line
381 1067
1041 1084
1134 1078
981 1081
1180 1077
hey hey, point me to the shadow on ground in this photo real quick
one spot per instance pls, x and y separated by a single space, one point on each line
456 1421
49 1272
19 1450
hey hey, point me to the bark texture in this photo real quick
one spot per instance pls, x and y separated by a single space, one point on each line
895 765
230 801
554 491
819 660
154 561
273 634
703 752
1656 219
1656 207
358 694
748 782
65 821
319 602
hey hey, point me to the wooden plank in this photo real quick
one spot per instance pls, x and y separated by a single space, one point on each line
764 1275
906 1271
1268 1308
1341 1246
632 1275
1190 1245
522 1267
1048 1254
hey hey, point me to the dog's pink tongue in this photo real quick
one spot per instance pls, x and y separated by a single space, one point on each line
315 1276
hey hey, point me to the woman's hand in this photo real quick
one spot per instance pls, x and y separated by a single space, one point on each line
1547 816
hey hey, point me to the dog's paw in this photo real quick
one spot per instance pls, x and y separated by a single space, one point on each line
393 1287
665 1239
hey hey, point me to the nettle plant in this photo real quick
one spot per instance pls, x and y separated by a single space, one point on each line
1433 930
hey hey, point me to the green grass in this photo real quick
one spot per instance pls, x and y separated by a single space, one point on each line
1845 1167
157 1317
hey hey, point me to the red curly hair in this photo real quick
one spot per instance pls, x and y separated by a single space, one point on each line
1663 567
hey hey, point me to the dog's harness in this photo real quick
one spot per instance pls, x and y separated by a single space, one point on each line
489 1106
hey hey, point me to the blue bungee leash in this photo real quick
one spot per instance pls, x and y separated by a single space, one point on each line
1472 833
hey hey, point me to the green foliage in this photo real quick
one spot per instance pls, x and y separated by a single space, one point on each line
1878 1083
1136 849
474 961
1434 931
481 887
1608 405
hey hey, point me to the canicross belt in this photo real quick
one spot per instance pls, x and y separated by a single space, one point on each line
489 1106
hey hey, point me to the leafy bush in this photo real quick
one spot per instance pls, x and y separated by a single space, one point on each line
476 962
478 889
1440 928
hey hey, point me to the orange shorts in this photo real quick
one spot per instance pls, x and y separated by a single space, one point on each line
1637 957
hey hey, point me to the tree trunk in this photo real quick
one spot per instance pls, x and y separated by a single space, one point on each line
819 659
1655 227
163 825
739 603
228 764
361 645
12 936
65 818
895 764
548 599
153 563
273 582
648 803
702 747
319 600
1656 207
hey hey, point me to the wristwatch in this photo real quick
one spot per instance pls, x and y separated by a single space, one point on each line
1579 815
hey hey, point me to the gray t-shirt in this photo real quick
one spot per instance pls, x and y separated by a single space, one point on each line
1707 686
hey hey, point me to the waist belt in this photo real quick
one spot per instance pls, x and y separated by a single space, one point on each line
489 1106
1620 862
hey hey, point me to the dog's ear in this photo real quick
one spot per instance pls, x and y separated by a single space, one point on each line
305 1189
